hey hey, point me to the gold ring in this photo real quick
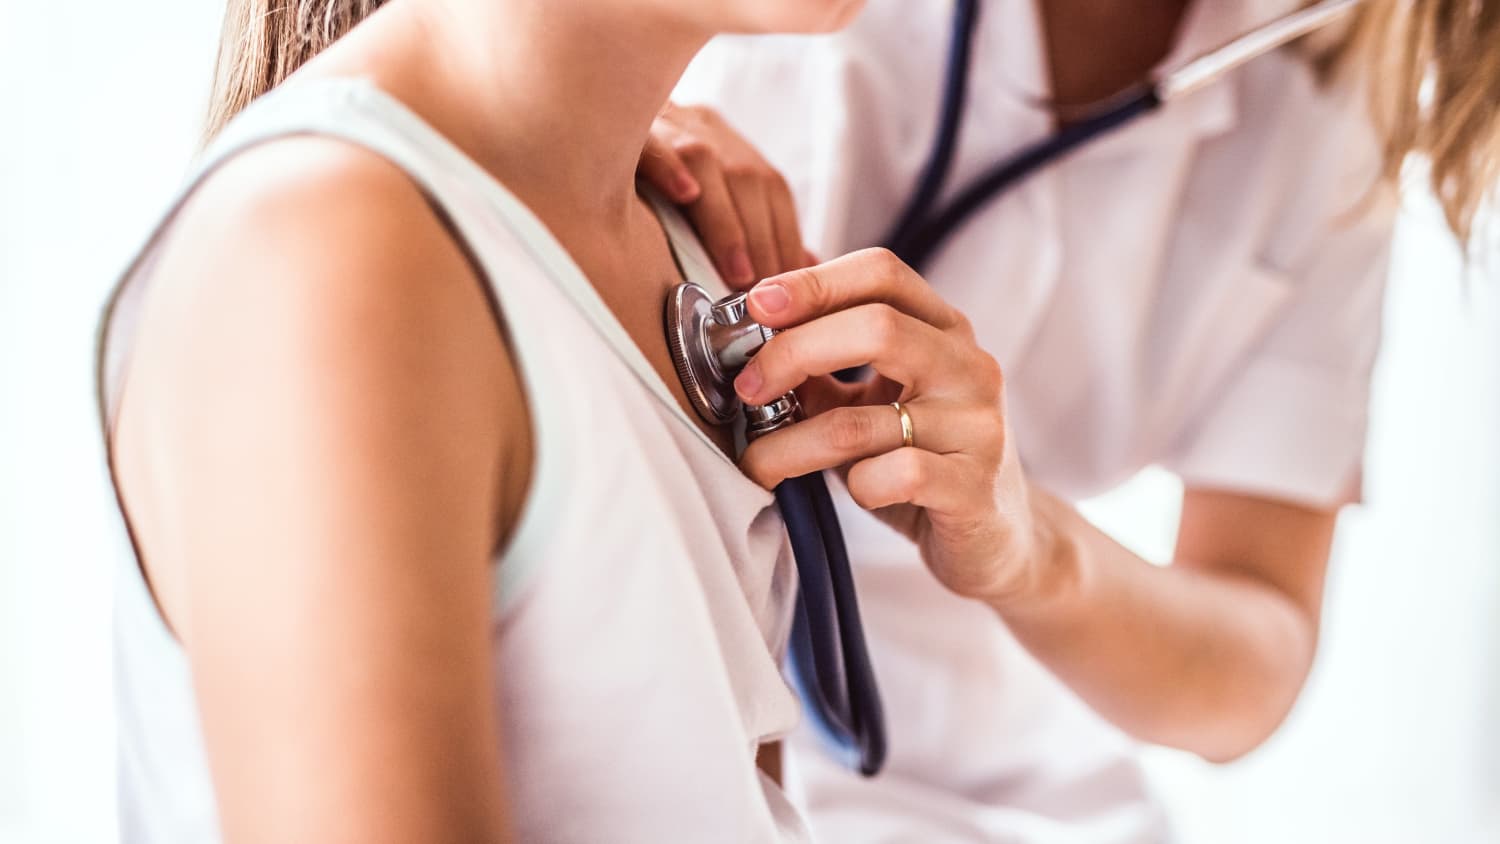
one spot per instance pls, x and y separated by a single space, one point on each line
908 431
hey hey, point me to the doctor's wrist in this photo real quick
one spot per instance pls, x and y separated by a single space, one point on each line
1051 575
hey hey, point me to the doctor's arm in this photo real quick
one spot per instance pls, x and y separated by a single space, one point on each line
1207 654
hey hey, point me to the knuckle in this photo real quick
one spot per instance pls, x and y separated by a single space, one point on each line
962 324
849 430
994 425
694 110
775 181
883 324
745 178
692 149
989 375
705 113
885 263
911 473
811 286
741 170
991 431
880 256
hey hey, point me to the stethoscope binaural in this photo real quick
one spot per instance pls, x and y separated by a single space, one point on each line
711 341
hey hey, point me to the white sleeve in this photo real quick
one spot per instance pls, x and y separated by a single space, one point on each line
1291 423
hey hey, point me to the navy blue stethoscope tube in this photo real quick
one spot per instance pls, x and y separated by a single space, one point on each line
920 230
829 662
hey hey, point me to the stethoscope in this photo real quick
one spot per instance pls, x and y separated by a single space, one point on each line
711 341
920 229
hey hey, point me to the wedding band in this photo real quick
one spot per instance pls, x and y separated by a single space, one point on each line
908 431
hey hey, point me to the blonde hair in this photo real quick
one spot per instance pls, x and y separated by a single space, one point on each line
1434 76
1433 68
265 41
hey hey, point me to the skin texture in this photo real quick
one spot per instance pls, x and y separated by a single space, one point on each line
1207 654
323 440
1096 49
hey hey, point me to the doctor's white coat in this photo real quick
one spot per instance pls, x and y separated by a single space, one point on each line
1201 291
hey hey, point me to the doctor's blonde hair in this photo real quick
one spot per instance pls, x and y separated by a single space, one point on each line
1434 77
1433 68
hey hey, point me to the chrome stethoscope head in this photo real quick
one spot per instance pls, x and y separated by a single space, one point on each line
710 342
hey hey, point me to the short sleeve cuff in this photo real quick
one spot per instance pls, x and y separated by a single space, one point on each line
1285 431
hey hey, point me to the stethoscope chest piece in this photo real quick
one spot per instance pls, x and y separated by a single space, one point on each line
710 342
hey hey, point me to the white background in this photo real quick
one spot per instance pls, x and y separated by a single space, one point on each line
1396 740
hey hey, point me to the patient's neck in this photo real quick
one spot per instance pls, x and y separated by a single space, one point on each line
560 94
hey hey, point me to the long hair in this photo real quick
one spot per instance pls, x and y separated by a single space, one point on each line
265 41
1434 78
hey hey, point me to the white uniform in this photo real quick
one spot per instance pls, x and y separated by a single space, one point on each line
643 603
1201 290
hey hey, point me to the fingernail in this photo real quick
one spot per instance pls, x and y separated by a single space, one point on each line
748 383
739 266
687 189
770 296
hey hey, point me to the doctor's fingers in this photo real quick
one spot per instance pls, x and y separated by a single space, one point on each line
848 434
716 219
788 228
753 205
664 169
869 275
686 145
899 347
954 485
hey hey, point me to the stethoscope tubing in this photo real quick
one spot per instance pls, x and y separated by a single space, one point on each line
828 657
919 231
950 120
916 244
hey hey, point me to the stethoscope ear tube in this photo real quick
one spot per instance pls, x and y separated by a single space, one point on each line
828 658
917 240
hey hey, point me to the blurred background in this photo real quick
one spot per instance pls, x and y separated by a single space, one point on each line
1397 738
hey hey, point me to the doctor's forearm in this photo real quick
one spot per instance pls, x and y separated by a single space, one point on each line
1203 660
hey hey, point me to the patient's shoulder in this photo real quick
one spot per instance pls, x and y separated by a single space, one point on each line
309 303
314 270
304 206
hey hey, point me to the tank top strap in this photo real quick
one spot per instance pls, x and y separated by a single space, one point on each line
354 110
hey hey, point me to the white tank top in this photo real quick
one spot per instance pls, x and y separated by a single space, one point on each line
640 609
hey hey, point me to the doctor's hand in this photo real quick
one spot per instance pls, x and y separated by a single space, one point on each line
739 205
958 491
